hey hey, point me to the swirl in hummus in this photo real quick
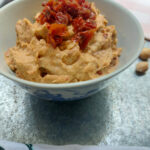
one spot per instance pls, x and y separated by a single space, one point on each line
69 41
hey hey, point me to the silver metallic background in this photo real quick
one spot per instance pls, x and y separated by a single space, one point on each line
118 115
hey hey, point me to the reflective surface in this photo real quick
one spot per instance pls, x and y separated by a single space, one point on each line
118 115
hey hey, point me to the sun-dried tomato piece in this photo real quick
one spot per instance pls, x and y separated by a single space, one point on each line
55 41
47 15
50 15
80 24
72 9
56 34
58 7
41 19
58 29
61 18
69 18
51 40
90 24
83 38
85 13
80 1
58 39
99 72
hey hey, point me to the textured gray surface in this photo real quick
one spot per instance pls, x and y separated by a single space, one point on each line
118 115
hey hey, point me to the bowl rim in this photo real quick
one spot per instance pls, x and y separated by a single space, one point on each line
82 83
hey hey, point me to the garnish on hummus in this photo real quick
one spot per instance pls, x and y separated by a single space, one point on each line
69 41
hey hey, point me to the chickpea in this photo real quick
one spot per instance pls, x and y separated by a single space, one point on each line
142 67
145 54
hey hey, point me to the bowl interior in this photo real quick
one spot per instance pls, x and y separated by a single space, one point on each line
130 34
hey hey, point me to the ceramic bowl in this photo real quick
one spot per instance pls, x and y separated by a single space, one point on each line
130 38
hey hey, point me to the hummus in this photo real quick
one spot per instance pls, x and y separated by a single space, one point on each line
35 59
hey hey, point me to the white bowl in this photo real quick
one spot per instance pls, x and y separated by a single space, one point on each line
130 35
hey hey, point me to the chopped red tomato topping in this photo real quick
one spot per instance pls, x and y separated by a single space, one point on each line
80 24
61 18
57 32
83 38
99 72
58 14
